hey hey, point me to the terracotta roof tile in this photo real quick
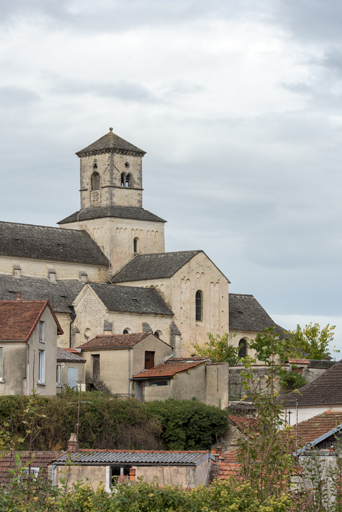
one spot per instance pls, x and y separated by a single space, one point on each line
167 369
313 428
38 459
115 341
299 361
18 318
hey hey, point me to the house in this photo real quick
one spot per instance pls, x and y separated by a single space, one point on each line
187 469
322 394
70 369
184 379
38 463
112 360
317 435
112 242
28 347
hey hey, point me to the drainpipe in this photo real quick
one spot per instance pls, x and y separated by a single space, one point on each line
172 355
129 371
72 316
53 474
28 369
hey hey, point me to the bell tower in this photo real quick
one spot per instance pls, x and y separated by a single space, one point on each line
111 173
111 202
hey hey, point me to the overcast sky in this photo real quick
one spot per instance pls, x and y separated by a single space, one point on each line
238 105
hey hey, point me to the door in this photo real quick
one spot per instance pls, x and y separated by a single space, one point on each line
149 360
96 367
72 377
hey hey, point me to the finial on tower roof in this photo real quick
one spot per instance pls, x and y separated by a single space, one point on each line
110 129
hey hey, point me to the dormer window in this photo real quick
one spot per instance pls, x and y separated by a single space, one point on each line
95 181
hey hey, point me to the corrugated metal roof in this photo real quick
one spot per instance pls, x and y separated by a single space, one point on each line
184 458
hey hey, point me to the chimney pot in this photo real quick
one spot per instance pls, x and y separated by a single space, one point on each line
132 474
18 296
72 444
219 450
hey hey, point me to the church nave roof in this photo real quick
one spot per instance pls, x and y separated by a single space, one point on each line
153 266
47 243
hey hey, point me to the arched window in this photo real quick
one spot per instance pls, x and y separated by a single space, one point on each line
129 180
123 179
158 334
95 181
242 348
135 245
199 306
127 331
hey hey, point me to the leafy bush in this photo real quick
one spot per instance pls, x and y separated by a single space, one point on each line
109 423
189 424
292 381
140 497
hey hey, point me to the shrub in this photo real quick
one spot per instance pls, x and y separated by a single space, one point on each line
189 424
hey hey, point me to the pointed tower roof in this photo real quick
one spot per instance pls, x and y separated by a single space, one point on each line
110 143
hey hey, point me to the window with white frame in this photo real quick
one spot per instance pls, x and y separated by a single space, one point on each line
41 367
42 332
1 365
33 473
58 375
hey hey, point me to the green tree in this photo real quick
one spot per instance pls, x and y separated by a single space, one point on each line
218 348
310 341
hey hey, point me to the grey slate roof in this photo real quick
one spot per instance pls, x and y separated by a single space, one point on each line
246 314
131 299
324 390
68 357
110 143
153 266
120 212
167 458
46 243
60 294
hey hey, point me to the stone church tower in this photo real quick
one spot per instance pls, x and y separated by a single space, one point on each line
111 202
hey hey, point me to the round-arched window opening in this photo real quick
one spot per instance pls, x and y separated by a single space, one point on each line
129 180
127 331
135 245
123 179
242 348
95 181
158 334
199 306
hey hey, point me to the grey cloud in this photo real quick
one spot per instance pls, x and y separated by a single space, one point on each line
122 15
122 90
13 96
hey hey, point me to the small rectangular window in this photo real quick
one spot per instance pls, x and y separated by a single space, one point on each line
33 473
58 375
41 367
42 332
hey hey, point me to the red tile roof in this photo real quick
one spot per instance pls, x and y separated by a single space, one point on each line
168 369
299 361
39 460
18 318
306 432
313 428
116 341
241 422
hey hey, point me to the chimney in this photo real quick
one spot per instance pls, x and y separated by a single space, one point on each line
72 444
132 473
18 296
219 450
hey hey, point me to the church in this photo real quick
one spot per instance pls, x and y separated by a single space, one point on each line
105 270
